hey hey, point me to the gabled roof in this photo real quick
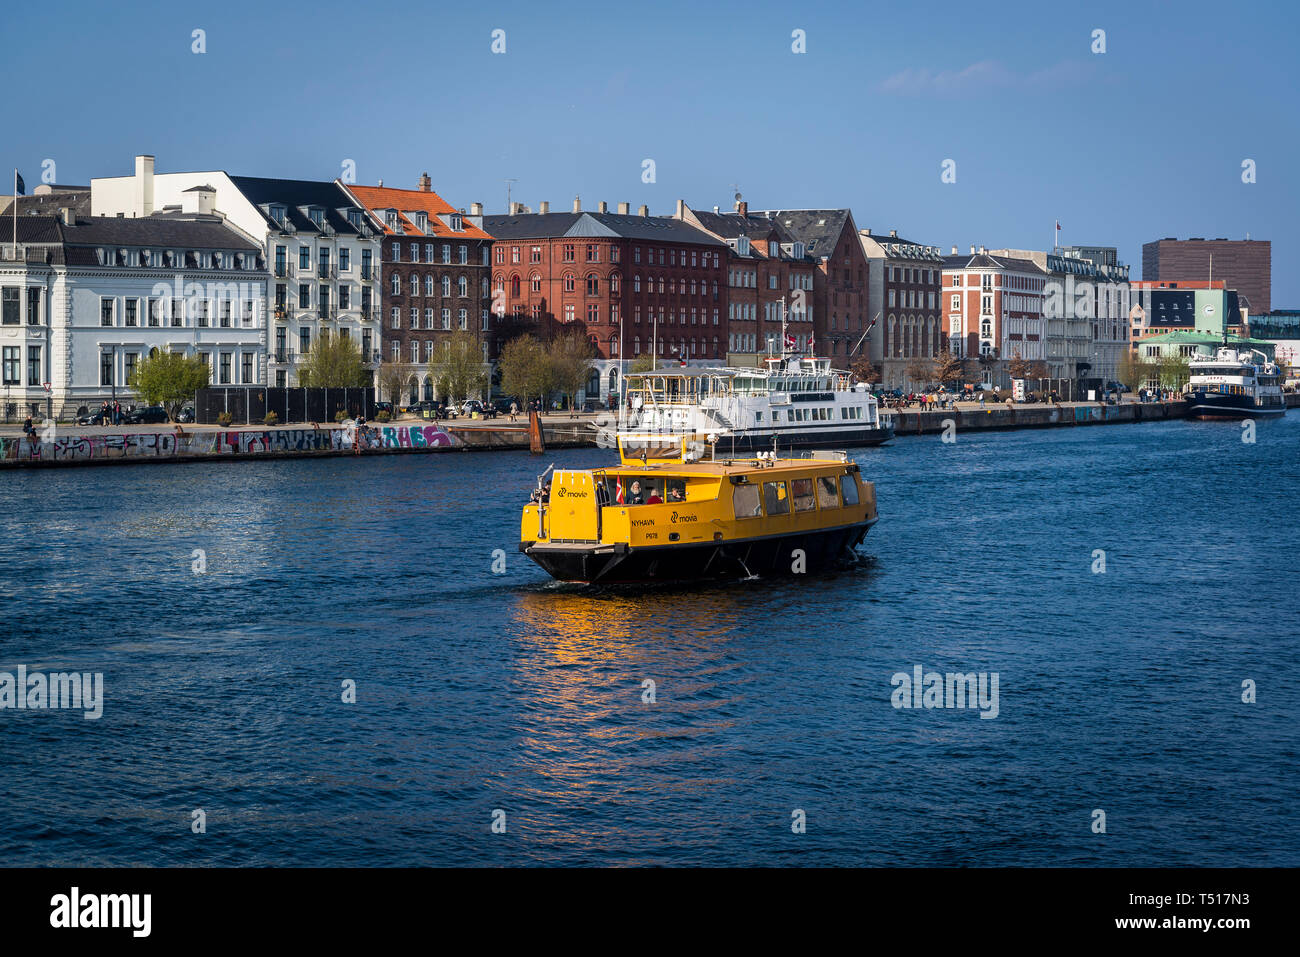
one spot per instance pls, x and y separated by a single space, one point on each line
818 229
377 198
296 195
49 204
608 225
985 261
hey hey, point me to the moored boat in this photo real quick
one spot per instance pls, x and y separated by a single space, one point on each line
674 511
1234 384
796 402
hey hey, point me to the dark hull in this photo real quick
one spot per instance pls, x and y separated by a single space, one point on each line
613 564
760 441
1230 407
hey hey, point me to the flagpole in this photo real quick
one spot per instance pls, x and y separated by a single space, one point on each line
15 212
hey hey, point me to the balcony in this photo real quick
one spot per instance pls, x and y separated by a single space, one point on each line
281 270
327 271
365 273
283 311
285 356
366 314
326 312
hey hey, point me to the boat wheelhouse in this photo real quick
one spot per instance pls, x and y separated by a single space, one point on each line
1234 384
796 403
675 509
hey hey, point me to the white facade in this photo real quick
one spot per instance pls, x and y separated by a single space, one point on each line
299 300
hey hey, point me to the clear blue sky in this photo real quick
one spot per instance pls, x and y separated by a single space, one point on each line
1141 142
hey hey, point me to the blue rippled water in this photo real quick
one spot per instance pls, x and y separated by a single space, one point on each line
476 691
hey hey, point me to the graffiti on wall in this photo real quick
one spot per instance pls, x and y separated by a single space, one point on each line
228 442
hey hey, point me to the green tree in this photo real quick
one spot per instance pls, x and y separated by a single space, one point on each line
169 379
1173 370
1132 370
456 367
642 363
571 358
525 369
334 362
393 377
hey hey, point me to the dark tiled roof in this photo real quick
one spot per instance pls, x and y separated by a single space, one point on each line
818 229
49 204
985 261
161 229
555 225
296 195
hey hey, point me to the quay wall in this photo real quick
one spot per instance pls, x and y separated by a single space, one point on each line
917 422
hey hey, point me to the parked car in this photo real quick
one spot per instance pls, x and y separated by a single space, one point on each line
384 407
149 415
591 405
186 414
502 406
470 406
90 417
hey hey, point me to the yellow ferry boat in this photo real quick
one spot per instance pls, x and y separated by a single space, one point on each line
669 513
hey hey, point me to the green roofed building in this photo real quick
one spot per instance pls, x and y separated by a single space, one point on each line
1188 344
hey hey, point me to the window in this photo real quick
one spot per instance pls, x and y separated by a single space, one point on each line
446 253
775 499
446 318
535 254
446 287
828 494
850 488
801 490
593 285
33 365
397 284
428 318
415 284
415 318
345 260
105 310
224 368
304 257
744 500
462 319
462 254
428 285
33 306
304 340
395 317
105 367
462 287
428 252
246 368
131 306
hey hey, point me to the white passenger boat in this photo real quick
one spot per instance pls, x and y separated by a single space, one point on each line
793 403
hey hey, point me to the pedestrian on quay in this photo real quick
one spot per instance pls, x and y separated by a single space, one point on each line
514 410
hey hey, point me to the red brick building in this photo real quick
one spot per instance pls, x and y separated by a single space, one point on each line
630 283
434 269
841 283
769 275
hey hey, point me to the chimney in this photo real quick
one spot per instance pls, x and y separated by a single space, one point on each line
867 231
603 207
681 210
515 208
716 210
143 185
972 249
381 183
644 210
577 204
954 249
624 209
543 207
981 250
742 207
476 209
893 234
426 184
68 216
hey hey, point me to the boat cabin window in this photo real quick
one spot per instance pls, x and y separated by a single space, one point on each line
801 490
828 496
775 499
744 499
850 488
674 490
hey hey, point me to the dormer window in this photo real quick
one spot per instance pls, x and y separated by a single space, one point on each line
742 245
456 224
798 251
774 249
277 215
354 217
317 215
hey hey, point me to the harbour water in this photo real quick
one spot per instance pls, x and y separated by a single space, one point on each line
1122 583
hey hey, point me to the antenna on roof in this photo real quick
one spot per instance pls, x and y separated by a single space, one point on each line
509 209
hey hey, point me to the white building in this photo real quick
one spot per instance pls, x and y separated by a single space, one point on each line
316 241
100 293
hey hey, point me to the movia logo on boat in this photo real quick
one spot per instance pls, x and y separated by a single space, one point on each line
566 492
683 518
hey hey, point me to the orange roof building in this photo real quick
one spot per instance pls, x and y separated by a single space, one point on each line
434 265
